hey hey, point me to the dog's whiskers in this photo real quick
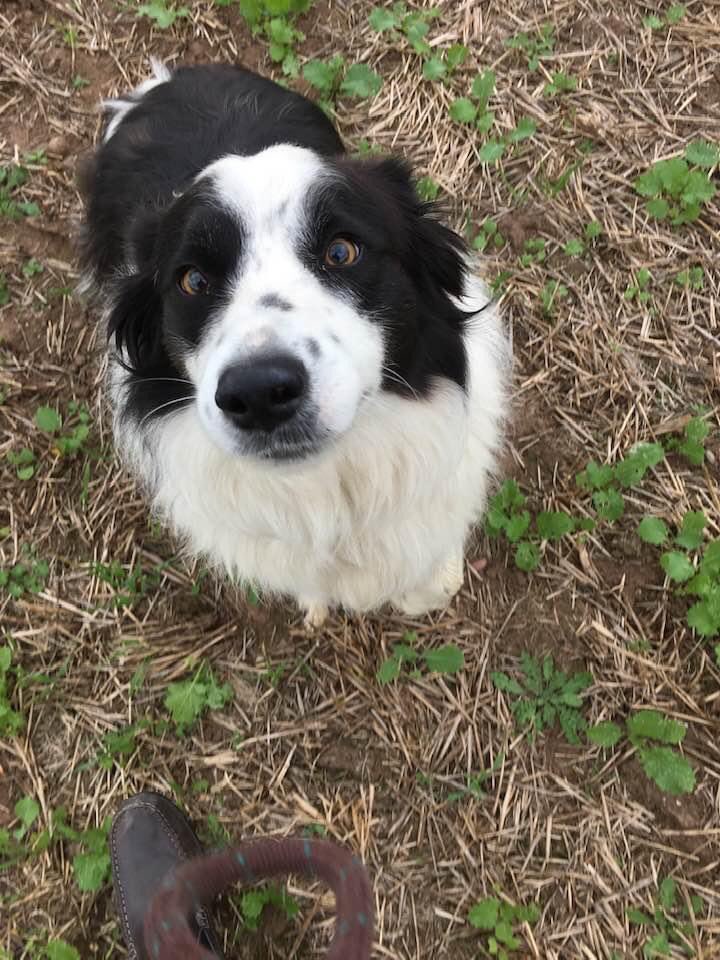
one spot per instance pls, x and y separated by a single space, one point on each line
397 378
383 406
162 406
167 380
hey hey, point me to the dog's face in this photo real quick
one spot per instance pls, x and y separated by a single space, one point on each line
288 291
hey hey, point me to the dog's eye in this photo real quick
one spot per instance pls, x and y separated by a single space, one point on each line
342 253
192 282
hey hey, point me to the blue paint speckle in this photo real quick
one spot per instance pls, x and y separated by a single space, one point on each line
156 948
166 925
344 928
362 919
308 849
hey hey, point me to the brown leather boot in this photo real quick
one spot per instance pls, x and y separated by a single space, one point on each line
150 836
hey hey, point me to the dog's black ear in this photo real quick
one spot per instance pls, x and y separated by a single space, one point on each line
144 238
135 320
440 252
435 252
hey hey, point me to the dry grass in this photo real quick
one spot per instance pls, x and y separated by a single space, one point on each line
582 835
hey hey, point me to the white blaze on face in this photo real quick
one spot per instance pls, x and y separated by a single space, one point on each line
277 303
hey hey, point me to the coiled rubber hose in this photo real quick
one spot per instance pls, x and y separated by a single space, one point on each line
196 883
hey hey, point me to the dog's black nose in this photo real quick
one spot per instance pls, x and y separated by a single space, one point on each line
262 393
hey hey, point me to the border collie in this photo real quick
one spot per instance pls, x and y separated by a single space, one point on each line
304 374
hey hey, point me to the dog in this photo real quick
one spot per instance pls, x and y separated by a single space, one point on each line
304 372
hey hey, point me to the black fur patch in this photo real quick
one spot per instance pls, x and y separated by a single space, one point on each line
411 266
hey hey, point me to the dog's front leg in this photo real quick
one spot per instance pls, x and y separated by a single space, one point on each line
437 593
316 612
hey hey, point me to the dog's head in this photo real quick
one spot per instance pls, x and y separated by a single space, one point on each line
287 290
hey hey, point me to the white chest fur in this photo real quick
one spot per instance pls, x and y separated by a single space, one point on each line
381 516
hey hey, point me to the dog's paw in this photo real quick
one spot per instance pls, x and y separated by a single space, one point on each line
438 593
315 615
452 575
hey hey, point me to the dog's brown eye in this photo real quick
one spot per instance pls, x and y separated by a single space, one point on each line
341 253
192 282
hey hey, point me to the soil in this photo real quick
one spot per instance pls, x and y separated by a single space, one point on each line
310 735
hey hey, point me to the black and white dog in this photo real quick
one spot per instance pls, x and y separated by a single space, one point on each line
303 372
